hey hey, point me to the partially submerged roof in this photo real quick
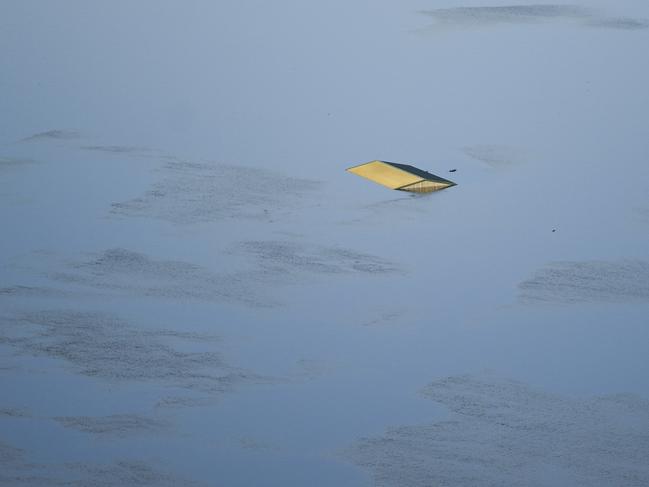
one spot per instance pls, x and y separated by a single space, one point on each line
401 177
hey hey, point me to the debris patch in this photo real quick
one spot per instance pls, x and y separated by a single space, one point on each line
52 135
277 260
588 281
8 455
119 425
127 472
122 270
511 14
14 413
642 213
249 443
193 192
621 23
17 471
115 149
386 317
32 291
495 156
13 162
505 433
174 402
100 345
459 17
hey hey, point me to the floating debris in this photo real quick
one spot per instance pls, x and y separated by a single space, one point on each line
52 135
495 156
462 17
503 432
13 162
121 271
118 425
588 281
280 260
17 470
196 192
103 346
116 149
14 413
124 271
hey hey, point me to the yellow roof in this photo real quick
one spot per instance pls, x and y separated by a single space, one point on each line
400 176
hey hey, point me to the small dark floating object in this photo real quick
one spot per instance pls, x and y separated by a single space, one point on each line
452 170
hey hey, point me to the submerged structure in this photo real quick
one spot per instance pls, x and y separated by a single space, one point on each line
401 177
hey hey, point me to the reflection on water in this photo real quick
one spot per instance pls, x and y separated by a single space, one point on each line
505 433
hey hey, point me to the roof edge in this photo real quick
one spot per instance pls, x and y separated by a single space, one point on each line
366 163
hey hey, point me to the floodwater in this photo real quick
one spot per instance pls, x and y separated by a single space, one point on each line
194 292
